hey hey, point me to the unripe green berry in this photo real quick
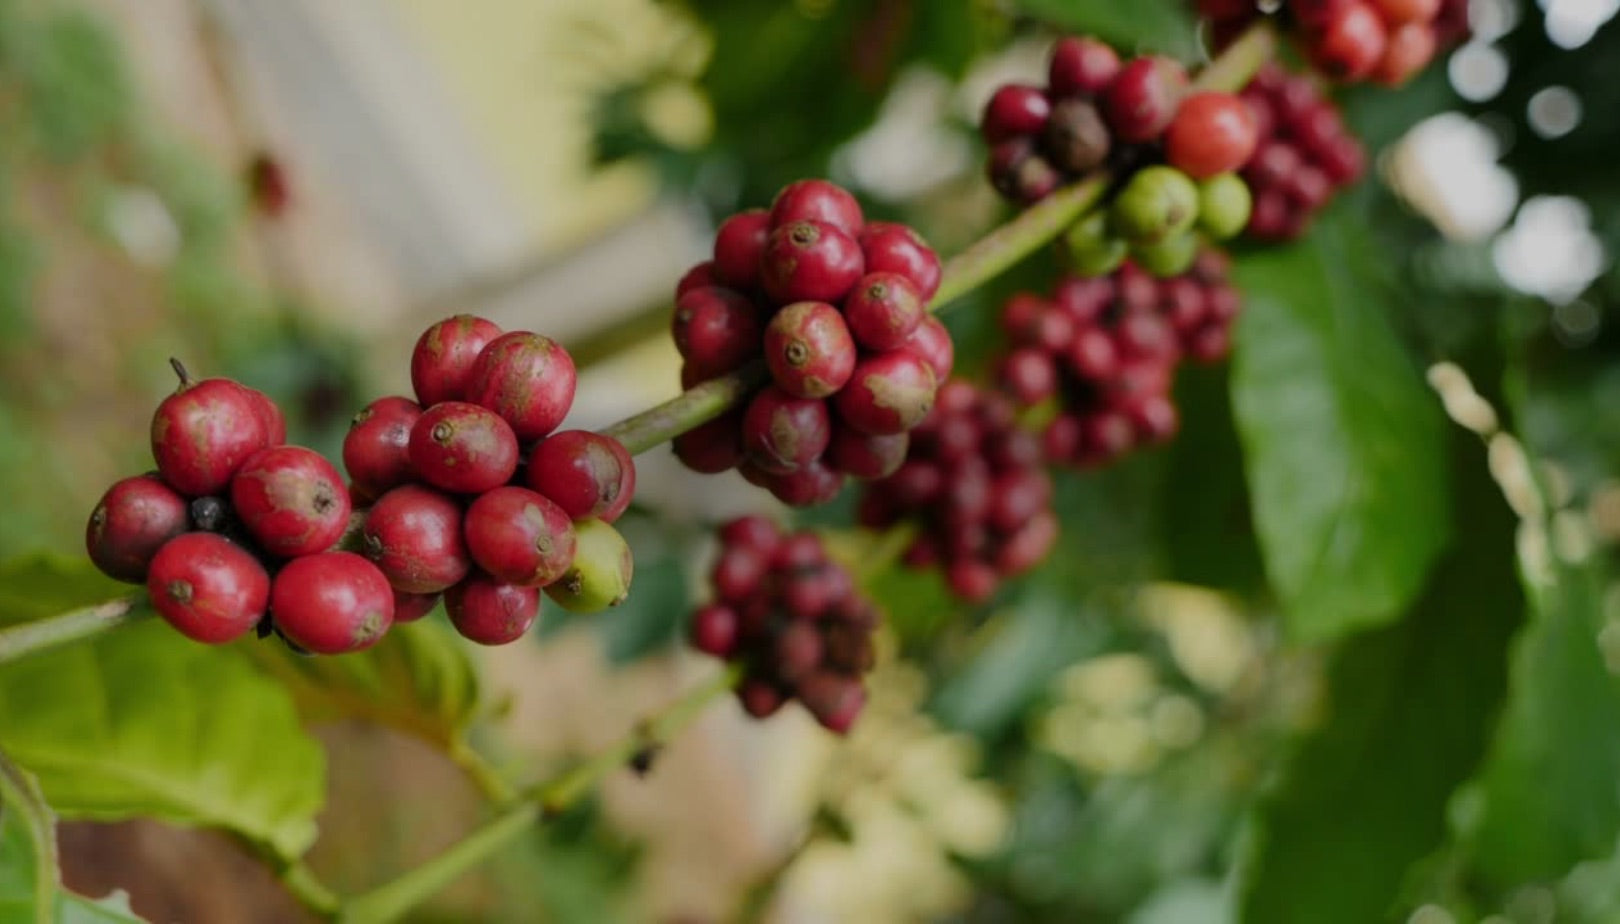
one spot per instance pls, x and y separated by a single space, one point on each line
1158 203
600 574
1092 250
1170 257
1224 203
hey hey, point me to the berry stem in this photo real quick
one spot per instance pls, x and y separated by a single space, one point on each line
43 634
1232 69
391 900
302 884
691 408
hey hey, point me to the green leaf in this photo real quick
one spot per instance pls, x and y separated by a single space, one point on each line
1342 439
1408 711
1208 532
1549 799
143 722
1161 26
41 585
418 680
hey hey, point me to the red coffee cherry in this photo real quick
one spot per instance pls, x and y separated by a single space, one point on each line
755 532
931 342
1029 375
332 603
1142 100
817 200
865 456
1081 66
463 447
698 277
526 378
739 572
1076 138
797 651
1316 14
291 501
739 244
809 349
883 311
810 261
1029 545
210 589
1212 133
811 484
411 607
269 414
441 364
972 580
714 630
835 700
760 698
895 248
413 535
716 331
781 433
1014 109
132 521
1410 49
1397 12
889 393
517 536
713 447
491 613
203 433
376 450
586 474
1351 44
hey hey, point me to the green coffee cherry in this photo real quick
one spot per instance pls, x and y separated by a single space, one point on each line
599 576
1170 257
1092 250
1158 203
1224 202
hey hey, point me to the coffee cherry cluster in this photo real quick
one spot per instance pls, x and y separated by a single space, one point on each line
1305 155
1105 350
474 494
1383 41
974 485
235 524
1160 219
837 309
793 617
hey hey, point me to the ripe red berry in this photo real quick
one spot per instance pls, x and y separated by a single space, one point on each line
413 535
739 572
463 447
526 378
1029 545
207 587
203 433
1351 43
269 414
811 261
1019 172
376 450
809 349
883 311
131 522
1407 11
796 652
716 330
491 613
1081 66
817 200
1142 100
835 700
291 501
865 456
889 393
811 484
441 364
713 447
1212 133
754 532
1014 109
699 276
586 474
760 698
332 603
1315 14
714 630
932 343
1410 49
1029 375
517 536
895 248
411 607
739 244
972 580
781 433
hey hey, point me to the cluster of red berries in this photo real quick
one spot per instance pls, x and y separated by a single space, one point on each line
470 494
1306 153
1384 41
975 486
1106 349
793 617
837 308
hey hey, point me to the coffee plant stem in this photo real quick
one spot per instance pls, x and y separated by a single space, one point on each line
42 634
313 894
391 900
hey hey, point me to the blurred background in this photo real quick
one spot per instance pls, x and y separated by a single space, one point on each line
288 192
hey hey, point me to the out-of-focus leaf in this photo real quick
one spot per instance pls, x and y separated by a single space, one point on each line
1342 439
1407 714
42 585
1549 798
1159 26
418 680
143 722
1208 533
